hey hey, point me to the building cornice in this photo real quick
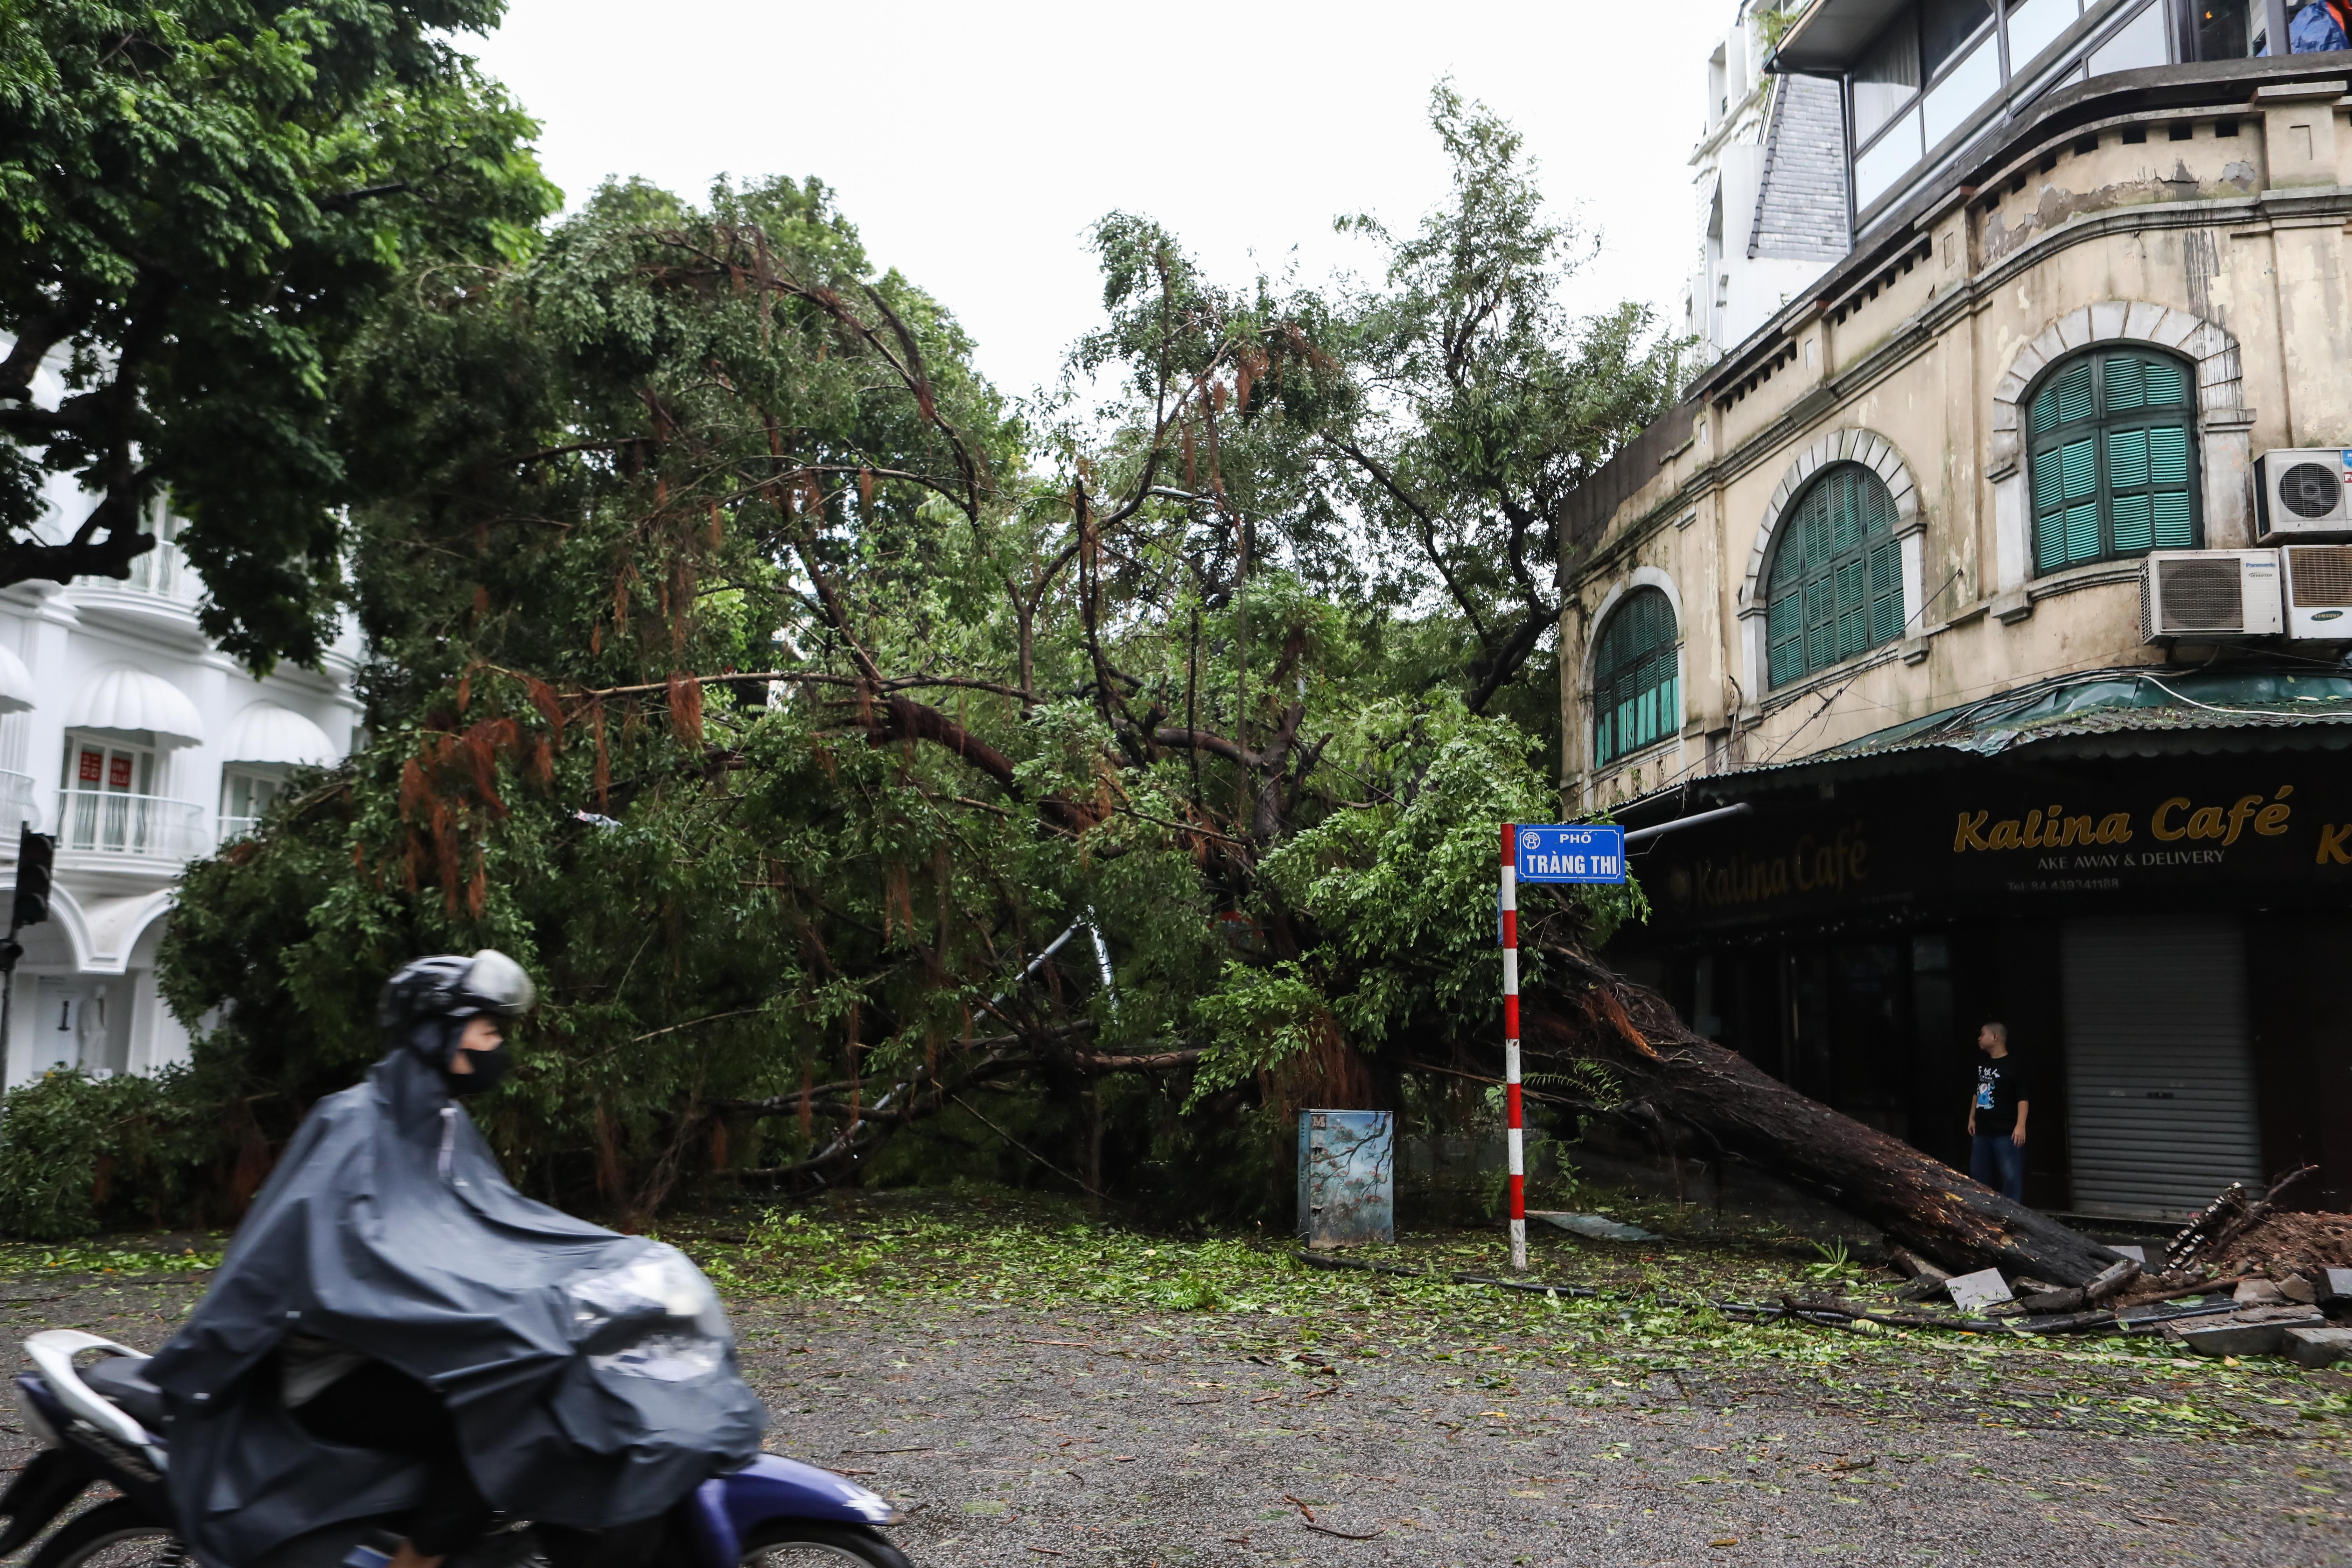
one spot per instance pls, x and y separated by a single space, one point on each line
1939 316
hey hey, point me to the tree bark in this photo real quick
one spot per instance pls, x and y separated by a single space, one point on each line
1918 1202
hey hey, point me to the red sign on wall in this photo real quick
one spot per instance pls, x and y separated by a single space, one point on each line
90 764
118 772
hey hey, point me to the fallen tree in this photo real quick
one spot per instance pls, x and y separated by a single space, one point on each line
1670 1074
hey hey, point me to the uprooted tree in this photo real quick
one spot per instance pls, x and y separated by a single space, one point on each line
749 670
850 756
1671 1079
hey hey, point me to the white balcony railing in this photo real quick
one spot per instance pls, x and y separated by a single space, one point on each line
147 826
231 828
164 571
15 807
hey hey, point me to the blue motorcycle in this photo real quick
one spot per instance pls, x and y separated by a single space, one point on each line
104 1422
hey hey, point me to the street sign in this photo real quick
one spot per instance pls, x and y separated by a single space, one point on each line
1572 853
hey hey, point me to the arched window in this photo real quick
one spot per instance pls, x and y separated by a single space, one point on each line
1836 584
2113 464
1637 698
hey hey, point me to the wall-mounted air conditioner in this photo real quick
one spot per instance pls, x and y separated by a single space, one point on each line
2319 592
2209 596
2303 492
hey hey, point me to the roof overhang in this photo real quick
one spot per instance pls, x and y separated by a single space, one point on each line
1831 33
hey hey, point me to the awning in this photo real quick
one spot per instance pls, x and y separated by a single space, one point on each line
2123 711
265 733
16 684
127 699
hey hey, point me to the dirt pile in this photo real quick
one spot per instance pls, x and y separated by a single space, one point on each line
2284 1244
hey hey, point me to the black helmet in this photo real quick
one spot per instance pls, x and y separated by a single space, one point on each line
449 985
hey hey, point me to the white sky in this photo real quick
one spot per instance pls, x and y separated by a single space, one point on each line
973 145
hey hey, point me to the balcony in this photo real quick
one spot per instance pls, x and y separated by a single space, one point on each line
159 597
164 572
121 829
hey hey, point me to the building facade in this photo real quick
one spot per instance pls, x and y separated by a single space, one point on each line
1912 578
126 733
1769 176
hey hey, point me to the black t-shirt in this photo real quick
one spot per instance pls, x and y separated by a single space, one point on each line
2000 1084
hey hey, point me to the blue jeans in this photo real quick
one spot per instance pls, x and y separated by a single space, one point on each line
1999 1163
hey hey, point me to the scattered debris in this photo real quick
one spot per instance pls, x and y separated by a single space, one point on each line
2244 1335
1926 1280
2222 1231
1598 1226
2112 1282
2318 1347
1974 1293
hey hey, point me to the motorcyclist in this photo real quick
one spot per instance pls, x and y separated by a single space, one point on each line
338 1395
398 1333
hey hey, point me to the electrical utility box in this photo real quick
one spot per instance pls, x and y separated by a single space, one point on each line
1347 1177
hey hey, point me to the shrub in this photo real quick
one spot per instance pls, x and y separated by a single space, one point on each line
78 1152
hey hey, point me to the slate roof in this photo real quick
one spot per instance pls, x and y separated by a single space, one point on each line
1800 206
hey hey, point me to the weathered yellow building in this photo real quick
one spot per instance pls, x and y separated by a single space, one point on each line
1888 579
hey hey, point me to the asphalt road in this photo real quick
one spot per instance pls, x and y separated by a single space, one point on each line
1111 1444
1018 1435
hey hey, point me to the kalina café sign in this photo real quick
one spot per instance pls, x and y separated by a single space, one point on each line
1976 833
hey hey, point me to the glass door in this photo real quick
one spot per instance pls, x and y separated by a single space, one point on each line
106 783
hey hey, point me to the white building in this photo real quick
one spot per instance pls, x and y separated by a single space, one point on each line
1770 178
141 746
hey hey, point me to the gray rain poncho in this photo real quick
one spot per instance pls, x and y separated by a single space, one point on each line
591 1376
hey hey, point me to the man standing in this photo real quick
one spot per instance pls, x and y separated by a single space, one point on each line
1997 1117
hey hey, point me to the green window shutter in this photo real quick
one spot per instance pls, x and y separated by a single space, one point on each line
2111 470
1886 592
1835 586
1636 697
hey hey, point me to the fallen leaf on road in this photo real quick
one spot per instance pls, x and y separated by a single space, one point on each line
1725 1541
1342 1534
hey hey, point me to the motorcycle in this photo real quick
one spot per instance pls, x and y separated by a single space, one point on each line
105 1423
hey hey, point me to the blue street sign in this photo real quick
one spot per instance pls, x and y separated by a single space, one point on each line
1572 853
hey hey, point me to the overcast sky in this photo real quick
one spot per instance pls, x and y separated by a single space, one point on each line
972 144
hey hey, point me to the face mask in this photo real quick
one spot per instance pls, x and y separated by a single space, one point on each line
490 1068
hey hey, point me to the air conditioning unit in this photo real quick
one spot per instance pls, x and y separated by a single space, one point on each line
2319 592
2209 596
2303 492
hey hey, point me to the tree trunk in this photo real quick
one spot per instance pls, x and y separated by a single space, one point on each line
1919 1202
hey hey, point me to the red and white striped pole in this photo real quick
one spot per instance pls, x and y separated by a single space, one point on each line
1512 1123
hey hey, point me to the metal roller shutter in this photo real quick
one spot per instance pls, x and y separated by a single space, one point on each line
2158 1063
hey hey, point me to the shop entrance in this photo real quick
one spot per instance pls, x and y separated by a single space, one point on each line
2160 1063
